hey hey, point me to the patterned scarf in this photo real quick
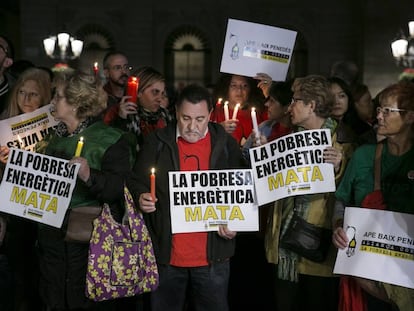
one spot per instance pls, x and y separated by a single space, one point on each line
145 121
62 130
299 205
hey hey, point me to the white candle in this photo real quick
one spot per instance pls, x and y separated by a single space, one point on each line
236 109
255 126
226 110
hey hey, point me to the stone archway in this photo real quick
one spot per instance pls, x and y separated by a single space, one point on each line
97 41
187 57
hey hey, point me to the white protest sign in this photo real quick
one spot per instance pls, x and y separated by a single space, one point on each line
292 165
381 246
37 187
250 48
202 200
25 130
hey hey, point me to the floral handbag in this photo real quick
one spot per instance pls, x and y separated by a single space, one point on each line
121 259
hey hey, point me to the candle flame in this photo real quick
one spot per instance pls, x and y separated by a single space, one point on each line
152 170
81 138
95 64
253 109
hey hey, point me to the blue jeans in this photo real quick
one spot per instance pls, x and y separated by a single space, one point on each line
205 288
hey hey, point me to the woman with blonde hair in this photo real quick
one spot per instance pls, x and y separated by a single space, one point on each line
31 91
104 163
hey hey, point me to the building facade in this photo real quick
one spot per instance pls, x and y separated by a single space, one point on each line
184 39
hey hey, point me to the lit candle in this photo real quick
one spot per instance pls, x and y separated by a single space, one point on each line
95 69
132 88
255 126
235 111
226 110
152 179
79 147
218 103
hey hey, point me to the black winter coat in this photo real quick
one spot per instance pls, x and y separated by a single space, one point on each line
160 151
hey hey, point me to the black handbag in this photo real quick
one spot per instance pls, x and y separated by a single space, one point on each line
307 240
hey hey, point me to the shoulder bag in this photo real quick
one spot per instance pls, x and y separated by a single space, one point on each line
121 260
306 239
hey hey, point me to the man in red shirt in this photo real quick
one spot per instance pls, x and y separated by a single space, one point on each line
192 266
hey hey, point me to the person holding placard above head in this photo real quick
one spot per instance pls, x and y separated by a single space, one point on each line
192 266
105 158
363 184
240 94
302 283
147 114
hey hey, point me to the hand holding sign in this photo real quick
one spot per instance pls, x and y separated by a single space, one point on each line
4 153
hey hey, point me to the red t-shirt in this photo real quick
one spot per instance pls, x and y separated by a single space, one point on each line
245 124
190 249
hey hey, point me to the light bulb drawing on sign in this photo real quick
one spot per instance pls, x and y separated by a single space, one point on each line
235 48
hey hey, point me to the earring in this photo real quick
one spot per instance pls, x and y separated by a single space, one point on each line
74 109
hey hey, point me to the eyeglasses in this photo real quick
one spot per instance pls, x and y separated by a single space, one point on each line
29 95
121 67
387 110
6 50
295 100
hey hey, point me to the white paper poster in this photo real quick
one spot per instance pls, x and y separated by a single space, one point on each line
292 165
202 200
25 130
381 246
37 187
250 48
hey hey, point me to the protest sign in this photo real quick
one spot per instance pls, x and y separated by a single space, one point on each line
37 187
292 165
25 130
250 48
381 246
202 200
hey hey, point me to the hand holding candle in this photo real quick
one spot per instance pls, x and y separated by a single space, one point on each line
255 126
235 111
152 184
132 88
79 147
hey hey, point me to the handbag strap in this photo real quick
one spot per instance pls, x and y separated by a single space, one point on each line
377 166
135 219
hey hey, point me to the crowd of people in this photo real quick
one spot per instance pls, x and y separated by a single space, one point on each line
201 129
